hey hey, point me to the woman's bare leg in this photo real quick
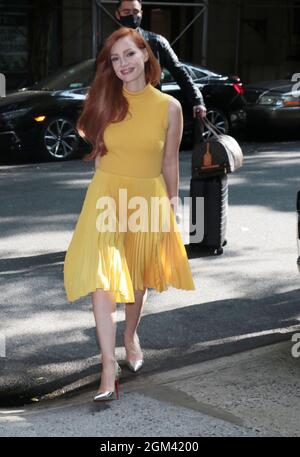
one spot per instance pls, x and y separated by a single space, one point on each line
133 314
105 314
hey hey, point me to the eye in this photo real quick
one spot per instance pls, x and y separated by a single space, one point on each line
131 53
114 59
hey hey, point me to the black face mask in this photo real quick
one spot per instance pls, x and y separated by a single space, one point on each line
131 20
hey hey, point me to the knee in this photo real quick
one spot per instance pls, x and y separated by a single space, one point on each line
102 297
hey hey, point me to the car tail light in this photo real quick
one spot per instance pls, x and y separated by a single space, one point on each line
239 88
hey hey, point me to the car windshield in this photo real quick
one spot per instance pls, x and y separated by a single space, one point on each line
195 72
75 77
199 73
166 76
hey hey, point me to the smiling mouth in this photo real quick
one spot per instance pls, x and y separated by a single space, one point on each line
126 72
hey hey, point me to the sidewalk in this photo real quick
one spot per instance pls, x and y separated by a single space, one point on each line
253 393
245 299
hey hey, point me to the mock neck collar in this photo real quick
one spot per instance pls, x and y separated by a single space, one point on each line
138 93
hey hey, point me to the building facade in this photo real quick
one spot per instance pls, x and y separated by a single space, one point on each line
256 40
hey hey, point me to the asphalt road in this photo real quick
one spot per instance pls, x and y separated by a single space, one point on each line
246 298
253 393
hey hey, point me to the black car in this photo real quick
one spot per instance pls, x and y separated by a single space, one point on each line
273 104
40 120
223 96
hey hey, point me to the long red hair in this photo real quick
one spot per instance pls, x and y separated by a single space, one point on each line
105 102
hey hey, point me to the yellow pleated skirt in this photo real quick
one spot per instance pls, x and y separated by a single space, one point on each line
132 249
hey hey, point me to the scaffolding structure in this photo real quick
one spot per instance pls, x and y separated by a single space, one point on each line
91 21
99 9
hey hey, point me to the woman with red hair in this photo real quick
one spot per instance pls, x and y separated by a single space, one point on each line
135 131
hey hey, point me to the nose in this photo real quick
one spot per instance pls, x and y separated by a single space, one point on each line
123 62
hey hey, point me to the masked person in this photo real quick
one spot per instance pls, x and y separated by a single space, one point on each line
129 13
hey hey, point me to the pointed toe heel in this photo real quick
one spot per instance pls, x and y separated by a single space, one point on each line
108 394
135 366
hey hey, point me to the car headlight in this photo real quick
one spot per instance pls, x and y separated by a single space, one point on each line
271 100
9 115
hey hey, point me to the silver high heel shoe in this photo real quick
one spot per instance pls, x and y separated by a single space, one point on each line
135 366
111 395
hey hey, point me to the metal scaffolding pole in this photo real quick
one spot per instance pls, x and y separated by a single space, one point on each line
238 36
204 11
95 28
205 35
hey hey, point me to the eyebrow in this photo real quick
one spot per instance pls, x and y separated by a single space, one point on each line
129 49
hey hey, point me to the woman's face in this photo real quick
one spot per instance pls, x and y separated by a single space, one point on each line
128 60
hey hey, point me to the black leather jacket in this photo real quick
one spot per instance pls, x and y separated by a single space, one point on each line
167 58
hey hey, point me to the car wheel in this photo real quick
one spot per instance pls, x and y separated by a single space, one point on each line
218 119
59 139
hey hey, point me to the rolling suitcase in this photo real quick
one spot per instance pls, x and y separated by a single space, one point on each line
211 161
214 193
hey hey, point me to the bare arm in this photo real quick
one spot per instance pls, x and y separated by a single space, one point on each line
170 165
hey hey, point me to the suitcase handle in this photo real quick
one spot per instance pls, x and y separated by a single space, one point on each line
211 127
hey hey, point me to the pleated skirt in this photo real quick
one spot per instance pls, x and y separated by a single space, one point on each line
126 238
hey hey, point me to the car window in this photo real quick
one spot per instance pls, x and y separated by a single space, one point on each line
75 77
166 76
196 73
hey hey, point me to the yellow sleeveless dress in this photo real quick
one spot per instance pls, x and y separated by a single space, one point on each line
117 259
